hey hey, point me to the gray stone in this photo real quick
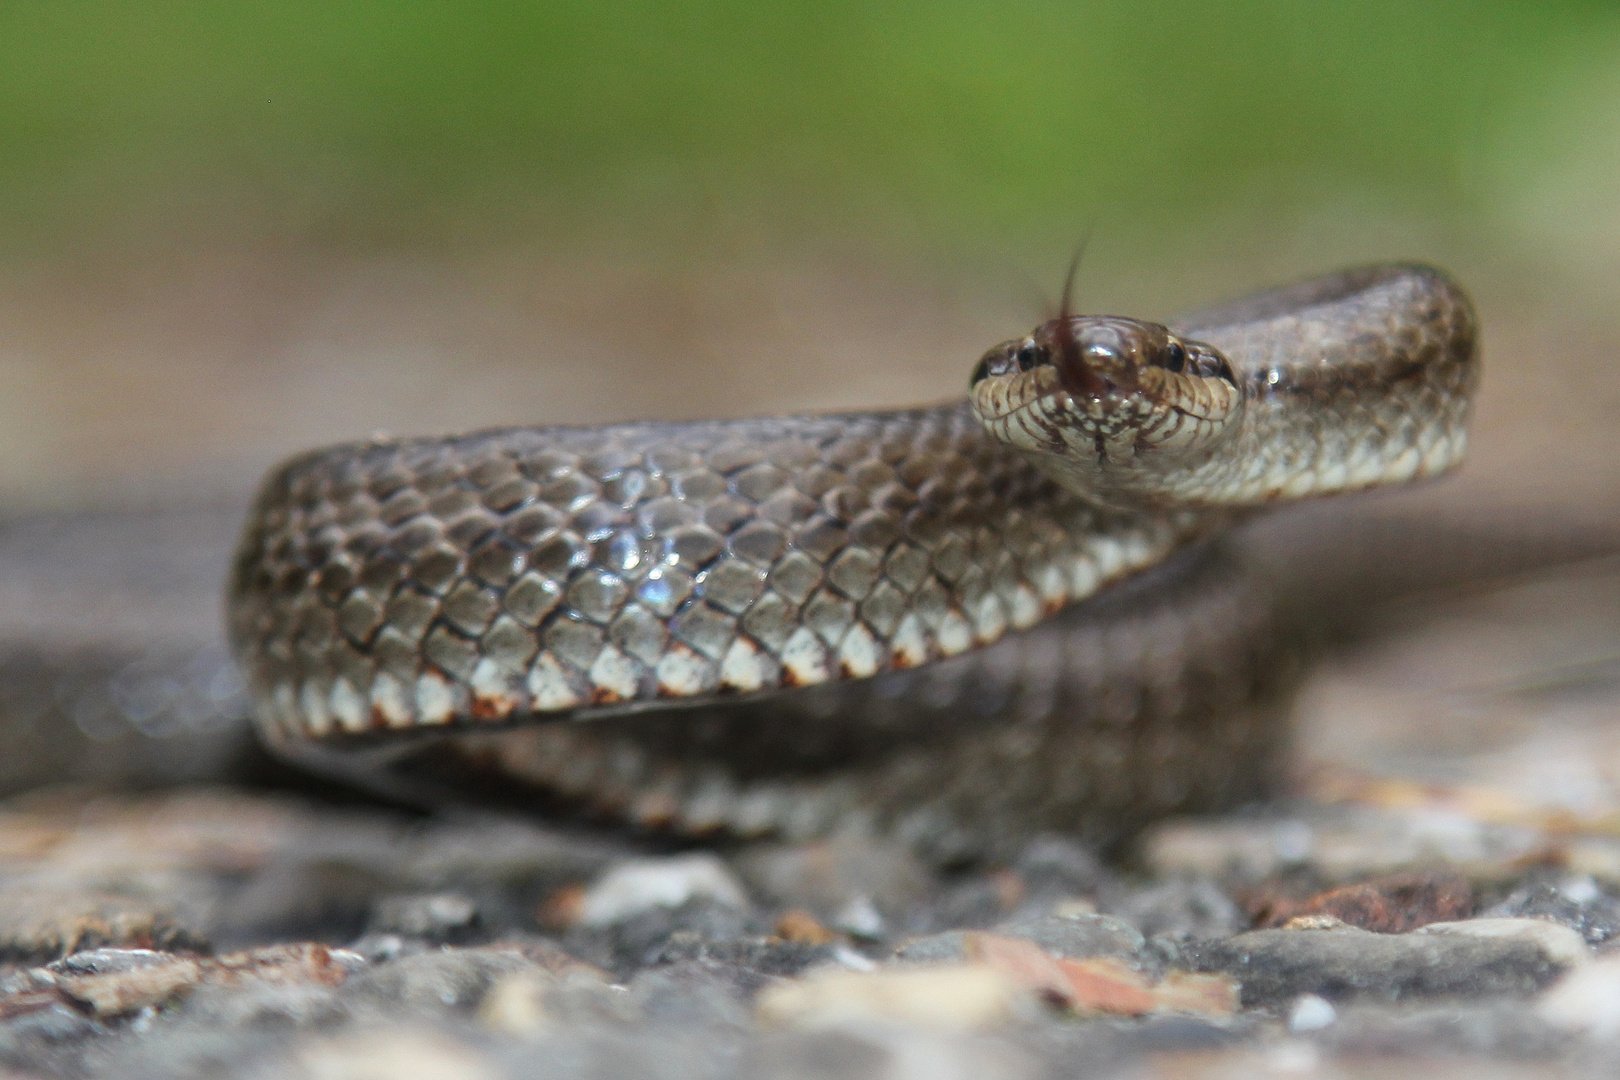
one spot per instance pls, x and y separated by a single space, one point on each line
1074 937
631 944
825 876
1577 902
434 982
637 886
1183 907
446 916
889 1054
1347 964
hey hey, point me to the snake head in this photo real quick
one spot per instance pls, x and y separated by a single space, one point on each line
1108 405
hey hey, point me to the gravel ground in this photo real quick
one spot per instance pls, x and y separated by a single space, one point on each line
1440 895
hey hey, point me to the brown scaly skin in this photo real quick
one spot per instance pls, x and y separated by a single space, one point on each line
794 625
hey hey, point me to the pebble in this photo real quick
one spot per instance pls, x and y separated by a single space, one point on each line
1347 964
1311 1013
1559 943
695 995
770 956
128 989
1058 866
1215 997
1235 850
399 1054
958 997
1577 901
1586 1001
1090 984
860 918
439 981
798 925
1498 1033
41 924
664 934
108 983
1180 908
1053 964
639 885
262 1006
1391 904
444 916
516 1005
1342 842
1076 937
1080 936
889 1052
827 876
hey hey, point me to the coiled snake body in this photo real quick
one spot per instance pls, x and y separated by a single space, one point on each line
961 624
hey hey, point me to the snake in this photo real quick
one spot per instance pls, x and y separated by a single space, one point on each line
961 625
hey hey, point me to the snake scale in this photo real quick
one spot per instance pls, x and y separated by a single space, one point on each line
960 624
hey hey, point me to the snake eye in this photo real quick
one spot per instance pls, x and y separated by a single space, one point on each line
1029 355
1175 357
1203 361
1208 366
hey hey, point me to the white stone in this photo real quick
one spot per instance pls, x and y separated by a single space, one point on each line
638 885
859 918
951 997
1581 888
1311 1013
373 1055
1585 1001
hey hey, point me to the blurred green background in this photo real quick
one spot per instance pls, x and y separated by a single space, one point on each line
192 196
408 123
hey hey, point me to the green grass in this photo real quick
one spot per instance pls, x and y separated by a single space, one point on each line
372 123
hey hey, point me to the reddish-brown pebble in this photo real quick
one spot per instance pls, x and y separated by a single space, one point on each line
1392 904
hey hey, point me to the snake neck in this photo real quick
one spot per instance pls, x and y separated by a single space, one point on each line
1357 380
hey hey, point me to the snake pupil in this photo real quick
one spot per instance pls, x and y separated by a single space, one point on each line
1175 357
